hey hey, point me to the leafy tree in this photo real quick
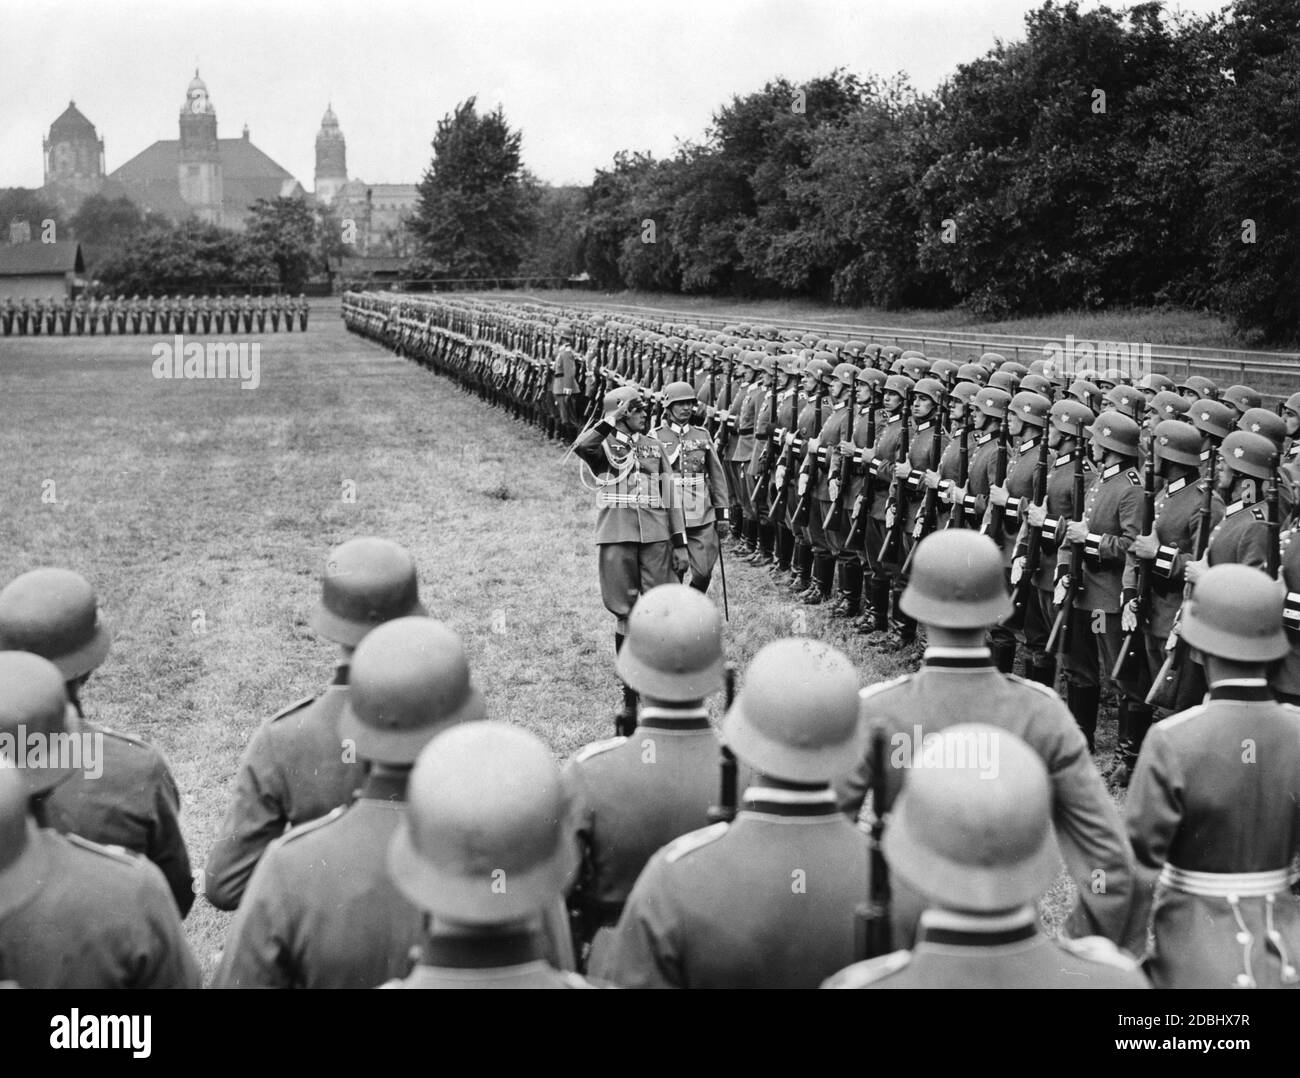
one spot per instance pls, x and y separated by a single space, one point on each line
475 215
556 247
286 230
26 204
106 221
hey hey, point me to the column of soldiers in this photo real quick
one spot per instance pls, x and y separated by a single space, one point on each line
828 460
387 831
87 316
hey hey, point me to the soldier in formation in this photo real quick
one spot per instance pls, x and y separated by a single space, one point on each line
121 315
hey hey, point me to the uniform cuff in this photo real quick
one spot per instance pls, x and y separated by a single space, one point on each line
1092 545
969 503
1291 611
679 540
1049 528
1164 563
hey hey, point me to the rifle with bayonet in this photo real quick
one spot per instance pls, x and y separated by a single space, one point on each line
1062 627
957 518
997 521
785 469
807 488
1128 663
835 515
1166 687
873 933
767 462
1024 587
896 504
725 810
928 517
857 535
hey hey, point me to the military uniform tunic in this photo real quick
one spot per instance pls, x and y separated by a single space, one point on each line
74 914
764 902
700 489
957 950
320 910
292 771
133 803
1213 819
634 795
501 961
962 685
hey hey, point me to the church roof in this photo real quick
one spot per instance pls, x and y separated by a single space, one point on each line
40 259
71 124
150 178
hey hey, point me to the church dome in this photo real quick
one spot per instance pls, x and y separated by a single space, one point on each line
196 83
71 124
329 119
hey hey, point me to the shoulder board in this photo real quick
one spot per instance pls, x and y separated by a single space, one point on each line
596 748
861 974
117 853
293 707
881 686
313 825
1258 512
119 736
575 980
694 840
1037 686
1098 949
1132 476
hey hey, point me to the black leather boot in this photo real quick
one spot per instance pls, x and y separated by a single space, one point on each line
1082 701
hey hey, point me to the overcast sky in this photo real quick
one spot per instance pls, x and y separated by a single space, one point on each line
582 79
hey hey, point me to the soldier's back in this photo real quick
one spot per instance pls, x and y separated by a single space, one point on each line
294 770
98 917
132 803
321 911
956 951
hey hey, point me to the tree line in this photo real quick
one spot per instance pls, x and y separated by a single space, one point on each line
1110 158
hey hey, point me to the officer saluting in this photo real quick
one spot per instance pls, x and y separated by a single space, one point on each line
484 850
633 795
978 846
699 481
320 911
640 532
295 768
766 901
131 799
957 591
1212 805
73 914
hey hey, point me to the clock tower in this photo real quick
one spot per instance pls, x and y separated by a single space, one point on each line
331 158
200 156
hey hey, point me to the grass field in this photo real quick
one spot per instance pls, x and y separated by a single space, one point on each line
203 513
1149 325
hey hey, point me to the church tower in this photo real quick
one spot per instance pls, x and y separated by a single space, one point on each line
74 158
331 158
200 156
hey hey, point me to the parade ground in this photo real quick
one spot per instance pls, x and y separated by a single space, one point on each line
203 513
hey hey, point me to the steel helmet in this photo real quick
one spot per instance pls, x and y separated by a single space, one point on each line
34 704
796 717
1249 454
673 649
972 372
1213 418
54 613
845 373
1032 408
1116 432
1262 421
367 582
487 837
678 393
1236 613
409 679
930 387
1178 442
971 834
1169 405
957 581
1243 398
993 402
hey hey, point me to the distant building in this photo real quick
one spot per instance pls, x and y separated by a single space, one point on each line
74 159
198 174
38 270
377 211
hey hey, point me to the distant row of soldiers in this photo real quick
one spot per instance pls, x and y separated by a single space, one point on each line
1107 498
120 315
